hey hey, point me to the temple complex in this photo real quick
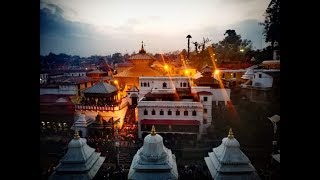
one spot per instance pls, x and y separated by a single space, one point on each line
153 160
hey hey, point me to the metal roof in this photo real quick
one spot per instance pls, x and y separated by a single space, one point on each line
101 88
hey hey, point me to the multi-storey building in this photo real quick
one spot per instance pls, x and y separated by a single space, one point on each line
174 107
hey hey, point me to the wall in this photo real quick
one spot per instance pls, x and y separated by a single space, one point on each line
265 81
173 106
157 82
218 94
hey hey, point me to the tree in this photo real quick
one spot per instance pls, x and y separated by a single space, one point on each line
117 58
272 23
232 48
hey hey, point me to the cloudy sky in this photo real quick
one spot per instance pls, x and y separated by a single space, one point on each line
102 27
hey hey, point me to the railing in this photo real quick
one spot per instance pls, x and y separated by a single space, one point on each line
97 108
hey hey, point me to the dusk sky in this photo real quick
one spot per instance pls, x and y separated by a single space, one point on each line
103 27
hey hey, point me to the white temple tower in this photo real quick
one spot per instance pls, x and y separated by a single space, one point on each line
153 160
80 162
227 161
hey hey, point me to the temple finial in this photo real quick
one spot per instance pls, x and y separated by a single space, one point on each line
142 49
230 135
76 135
153 131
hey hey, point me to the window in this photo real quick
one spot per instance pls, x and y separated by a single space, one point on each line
205 98
234 75
153 112
194 113
161 112
145 112
164 85
177 113
169 112
185 113
141 85
260 75
145 84
148 84
181 84
184 84
205 110
223 75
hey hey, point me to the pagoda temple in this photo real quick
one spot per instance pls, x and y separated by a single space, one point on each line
227 161
153 160
206 78
101 94
81 162
141 67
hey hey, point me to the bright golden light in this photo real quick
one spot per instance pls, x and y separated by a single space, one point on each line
186 71
216 72
166 67
115 81
241 50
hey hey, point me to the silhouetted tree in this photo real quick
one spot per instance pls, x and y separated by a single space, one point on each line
272 23
232 48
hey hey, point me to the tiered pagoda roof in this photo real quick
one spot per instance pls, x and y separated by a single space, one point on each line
81 162
153 160
227 161
100 88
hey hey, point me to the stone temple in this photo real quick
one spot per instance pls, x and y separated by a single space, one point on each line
227 161
153 161
81 162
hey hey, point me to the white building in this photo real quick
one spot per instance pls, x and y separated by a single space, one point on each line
264 79
175 107
153 160
70 86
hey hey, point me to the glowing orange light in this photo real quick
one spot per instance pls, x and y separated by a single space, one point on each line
186 71
216 72
166 67
116 82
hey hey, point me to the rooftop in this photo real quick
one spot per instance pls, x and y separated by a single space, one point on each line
101 88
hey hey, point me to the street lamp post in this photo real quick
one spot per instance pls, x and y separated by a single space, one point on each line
188 37
274 119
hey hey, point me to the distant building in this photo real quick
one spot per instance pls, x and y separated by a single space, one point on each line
75 73
227 161
153 160
100 75
72 86
56 109
80 162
